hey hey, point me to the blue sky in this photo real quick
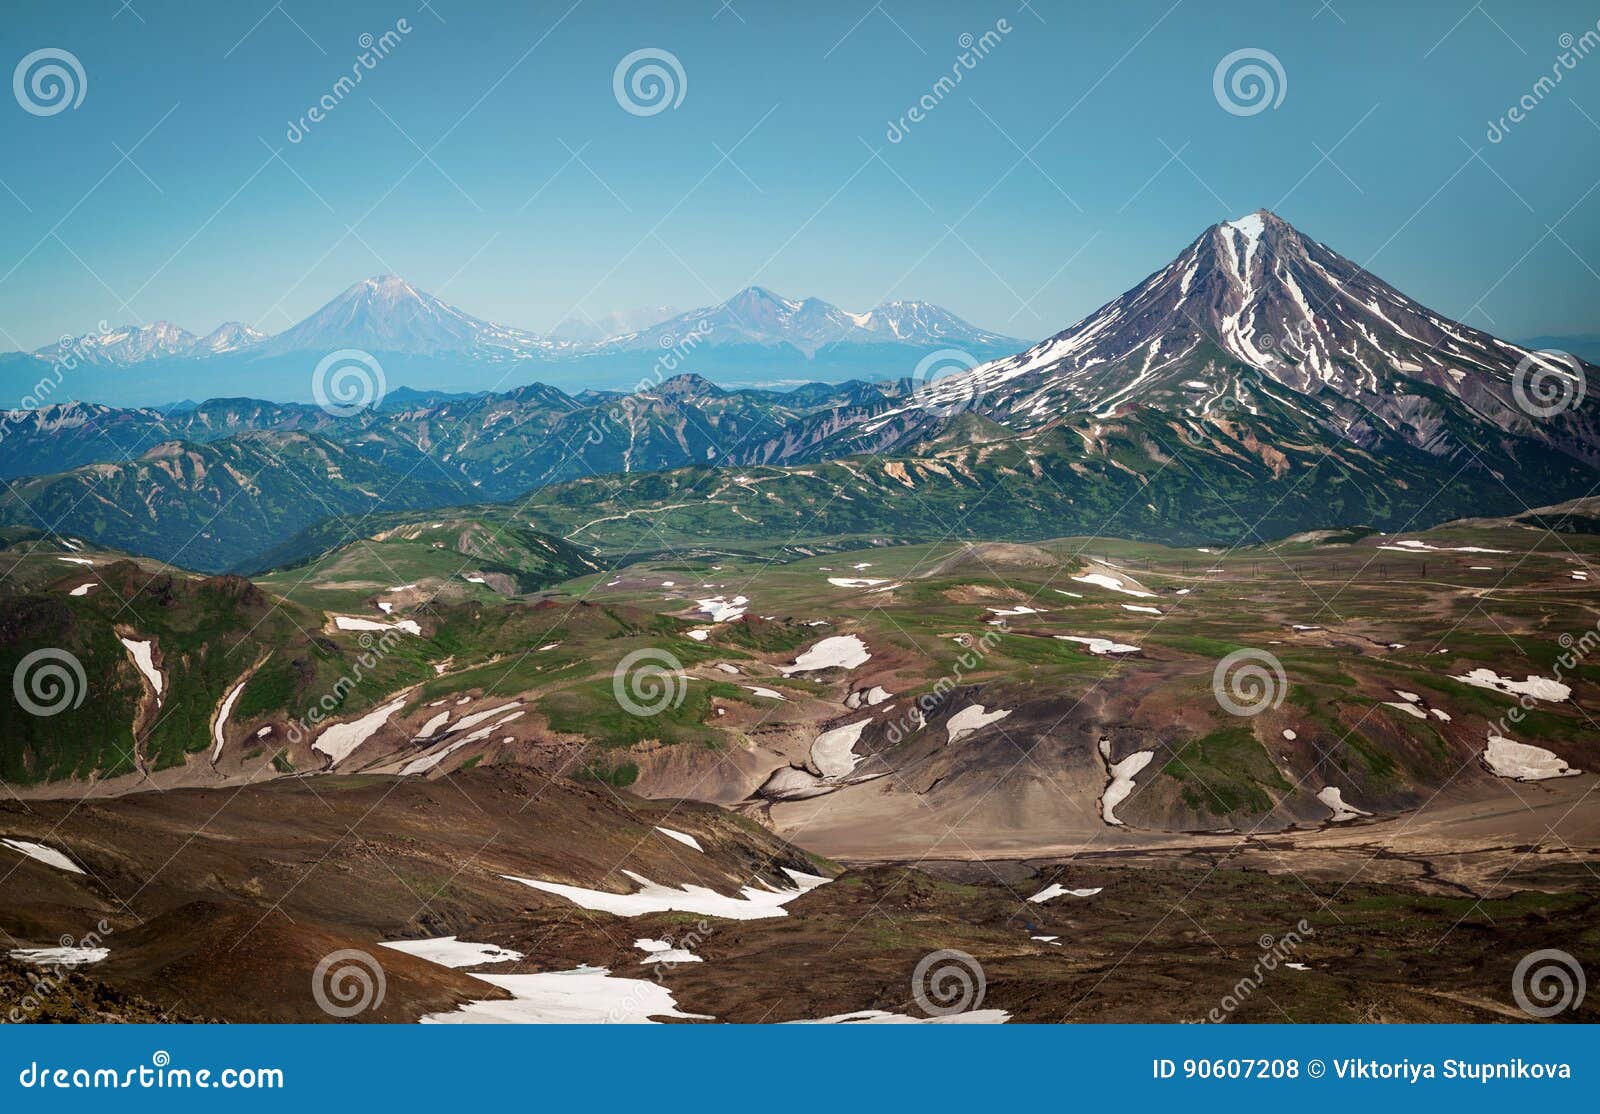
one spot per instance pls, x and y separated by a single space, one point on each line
539 196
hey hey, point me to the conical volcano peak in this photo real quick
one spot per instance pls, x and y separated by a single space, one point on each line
1257 222
1254 304
385 313
385 286
1253 229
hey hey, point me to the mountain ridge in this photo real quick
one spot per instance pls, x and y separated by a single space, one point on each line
1248 366
418 336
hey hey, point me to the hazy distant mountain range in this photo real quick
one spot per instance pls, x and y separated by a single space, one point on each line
1257 384
428 344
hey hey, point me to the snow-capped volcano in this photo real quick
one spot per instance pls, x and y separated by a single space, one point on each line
1253 306
128 345
757 316
387 314
125 344
231 336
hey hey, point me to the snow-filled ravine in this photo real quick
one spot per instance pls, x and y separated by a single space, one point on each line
833 752
840 651
143 655
750 904
1540 688
353 622
1333 797
1413 546
1056 889
429 761
722 610
970 719
585 996
217 728
1114 583
682 837
662 951
340 741
60 957
38 852
1508 758
1099 646
1122 775
448 951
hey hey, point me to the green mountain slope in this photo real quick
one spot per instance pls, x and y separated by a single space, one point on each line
211 506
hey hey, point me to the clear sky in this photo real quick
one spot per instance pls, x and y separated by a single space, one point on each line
487 158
